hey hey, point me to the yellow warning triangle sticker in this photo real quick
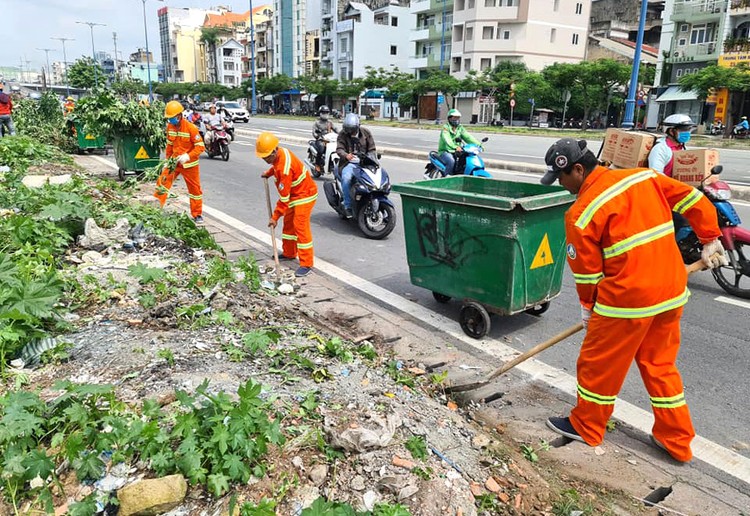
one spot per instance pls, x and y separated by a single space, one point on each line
543 255
89 137
142 154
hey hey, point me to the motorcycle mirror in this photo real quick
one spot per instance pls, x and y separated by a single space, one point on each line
485 139
717 170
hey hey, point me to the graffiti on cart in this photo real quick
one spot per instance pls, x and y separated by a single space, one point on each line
442 239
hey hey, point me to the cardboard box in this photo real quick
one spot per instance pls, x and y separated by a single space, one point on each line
633 149
610 145
692 166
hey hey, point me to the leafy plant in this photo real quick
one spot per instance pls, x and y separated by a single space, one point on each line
167 354
529 453
259 340
146 274
336 348
439 379
394 371
250 273
57 355
322 507
367 352
488 503
423 473
570 501
417 446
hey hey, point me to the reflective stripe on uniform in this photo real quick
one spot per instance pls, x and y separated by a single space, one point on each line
599 399
304 200
199 144
171 133
301 178
284 198
287 162
169 142
305 246
195 197
644 237
185 135
191 164
284 236
646 311
609 194
588 279
670 402
687 202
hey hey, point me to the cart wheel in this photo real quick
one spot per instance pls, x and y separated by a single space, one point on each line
441 298
475 320
106 152
538 309
121 174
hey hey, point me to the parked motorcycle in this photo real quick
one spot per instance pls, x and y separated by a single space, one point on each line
468 163
219 145
734 278
331 159
371 207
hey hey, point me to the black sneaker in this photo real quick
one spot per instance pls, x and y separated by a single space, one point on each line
303 271
562 426
283 258
198 219
348 213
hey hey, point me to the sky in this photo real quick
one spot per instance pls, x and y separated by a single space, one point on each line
29 24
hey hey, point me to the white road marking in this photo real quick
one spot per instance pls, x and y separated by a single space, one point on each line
708 451
732 301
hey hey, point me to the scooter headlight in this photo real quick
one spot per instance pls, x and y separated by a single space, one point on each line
718 193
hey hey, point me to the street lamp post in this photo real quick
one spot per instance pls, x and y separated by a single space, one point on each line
49 71
253 98
627 121
148 54
65 63
442 59
93 50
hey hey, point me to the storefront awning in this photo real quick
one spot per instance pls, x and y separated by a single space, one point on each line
268 97
674 93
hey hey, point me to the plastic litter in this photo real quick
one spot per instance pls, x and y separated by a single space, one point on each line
363 439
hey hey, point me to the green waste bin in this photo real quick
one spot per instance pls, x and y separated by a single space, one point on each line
499 246
88 142
133 154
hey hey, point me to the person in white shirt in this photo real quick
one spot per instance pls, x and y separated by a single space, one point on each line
212 121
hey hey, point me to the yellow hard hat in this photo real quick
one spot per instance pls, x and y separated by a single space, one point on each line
173 108
266 144
70 98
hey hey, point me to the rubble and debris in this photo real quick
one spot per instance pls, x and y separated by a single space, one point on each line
152 497
98 238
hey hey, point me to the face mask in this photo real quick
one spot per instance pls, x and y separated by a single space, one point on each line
683 136
174 120
324 117
454 123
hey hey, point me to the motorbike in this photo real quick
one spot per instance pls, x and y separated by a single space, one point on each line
468 163
371 207
734 278
716 129
331 160
229 127
219 146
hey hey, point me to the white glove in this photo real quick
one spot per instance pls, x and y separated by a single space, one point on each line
184 158
585 316
710 249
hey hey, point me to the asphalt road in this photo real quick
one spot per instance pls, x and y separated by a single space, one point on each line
523 148
714 359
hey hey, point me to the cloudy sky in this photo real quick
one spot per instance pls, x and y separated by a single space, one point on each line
29 24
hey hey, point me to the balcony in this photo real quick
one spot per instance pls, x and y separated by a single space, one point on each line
436 31
419 34
739 7
345 56
423 6
699 12
431 60
699 53
736 45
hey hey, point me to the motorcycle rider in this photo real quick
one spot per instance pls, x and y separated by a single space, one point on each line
447 146
211 121
351 141
321 127
743 127
678 129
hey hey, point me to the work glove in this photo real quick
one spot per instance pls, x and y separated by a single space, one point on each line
184 158
585 316
713 254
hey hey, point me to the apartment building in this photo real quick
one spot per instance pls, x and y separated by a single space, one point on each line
58 72
178 23
261 16
289 31
432 37
312 52
535 33
264 50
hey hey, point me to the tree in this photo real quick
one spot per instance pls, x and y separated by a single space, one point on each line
735 79
84 73
128 87
274 85
211 36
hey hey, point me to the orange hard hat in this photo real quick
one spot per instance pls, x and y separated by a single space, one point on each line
173 108
266 144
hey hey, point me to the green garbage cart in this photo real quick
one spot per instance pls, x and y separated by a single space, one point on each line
87 142
133 155
499 246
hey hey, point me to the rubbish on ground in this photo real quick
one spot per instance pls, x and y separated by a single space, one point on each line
32 351
363 439
95 237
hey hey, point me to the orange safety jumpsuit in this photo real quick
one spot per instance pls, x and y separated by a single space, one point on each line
181 139
297 195
629 272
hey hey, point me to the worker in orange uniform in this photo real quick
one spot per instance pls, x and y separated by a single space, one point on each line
632 286
297 195
70 105
184 142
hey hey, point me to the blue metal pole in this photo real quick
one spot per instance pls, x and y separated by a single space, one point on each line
627 122
442 60
148 63
253 98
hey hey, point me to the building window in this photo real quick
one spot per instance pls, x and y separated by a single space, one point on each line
575 39
506 34
458 33
490 3
679 73
695 70
556 5
509 3
552 35
488 32
485 64
701 34
684 27
471 4
579 8
469 33
460 5
394 50
681 42
467 65
394 21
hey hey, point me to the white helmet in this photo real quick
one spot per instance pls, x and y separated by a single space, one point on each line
678 120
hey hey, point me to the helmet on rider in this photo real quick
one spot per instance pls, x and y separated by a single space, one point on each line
679 127
351 124
454 117
266 144
173 111
324 110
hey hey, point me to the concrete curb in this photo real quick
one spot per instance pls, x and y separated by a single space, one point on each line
741 193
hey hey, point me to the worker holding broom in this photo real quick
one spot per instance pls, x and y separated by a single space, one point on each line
297 195
632 286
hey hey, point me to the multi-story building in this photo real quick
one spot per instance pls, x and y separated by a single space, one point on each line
614 27
735 49
289 36
535 33
140 71
373 37
225 52
174 22
433 34
191 55
312 52
141 56
328 20
58 72
261 15
264 50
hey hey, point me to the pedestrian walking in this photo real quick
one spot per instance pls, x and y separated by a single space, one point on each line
184 142
6 113
297 195
632 287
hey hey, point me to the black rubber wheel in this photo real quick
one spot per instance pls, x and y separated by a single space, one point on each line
314 170
121 174
231 135
225 152
441 298
377 225
474 320
735 278
539 309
